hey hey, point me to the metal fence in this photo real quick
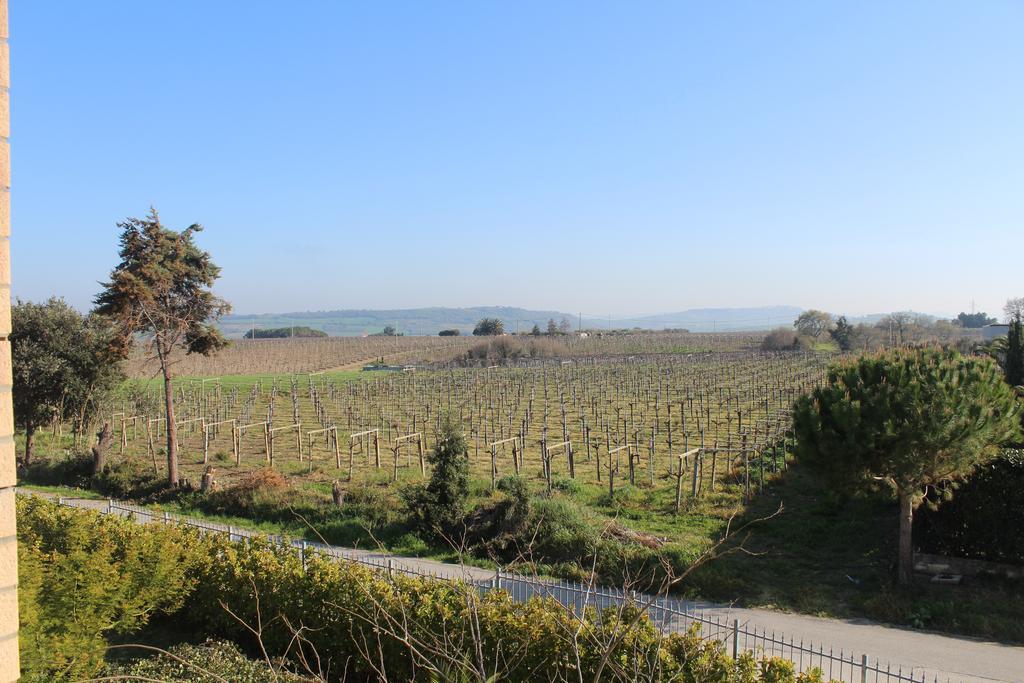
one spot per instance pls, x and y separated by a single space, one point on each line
668 613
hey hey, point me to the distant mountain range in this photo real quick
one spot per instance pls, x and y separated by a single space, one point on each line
430 321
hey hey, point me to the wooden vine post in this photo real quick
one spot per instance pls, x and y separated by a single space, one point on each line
397 447
514 440
353 438
680 472
613 466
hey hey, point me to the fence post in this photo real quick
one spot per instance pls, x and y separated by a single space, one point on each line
496 583
230 532
303 551
735 638
60 500
110 505
863 669
167 517
391 568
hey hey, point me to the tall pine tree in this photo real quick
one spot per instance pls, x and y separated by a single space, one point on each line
909 419
161 292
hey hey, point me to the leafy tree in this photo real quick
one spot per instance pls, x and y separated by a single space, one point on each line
1013 364
813 323
974 320
842 334
389 331
536 330
61 365
565 326
489 327
449 333
898 326
98 372
1014 309
911 419
552 327
440 506
161 289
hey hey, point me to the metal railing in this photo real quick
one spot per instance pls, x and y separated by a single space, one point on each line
668 613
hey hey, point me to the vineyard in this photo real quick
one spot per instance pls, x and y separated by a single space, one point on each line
303 355
690 422
244 357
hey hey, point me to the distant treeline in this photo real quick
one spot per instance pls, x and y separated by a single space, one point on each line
282 332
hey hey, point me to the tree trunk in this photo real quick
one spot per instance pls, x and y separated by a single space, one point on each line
99 452
906 552
172 430
30 431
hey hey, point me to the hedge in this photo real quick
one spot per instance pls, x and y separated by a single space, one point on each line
344 620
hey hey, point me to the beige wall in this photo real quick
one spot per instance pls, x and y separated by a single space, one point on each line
8 540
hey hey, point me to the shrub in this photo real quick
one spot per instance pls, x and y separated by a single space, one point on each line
559 531
973 523
82 575
497 528
70 470
185 664
781 339
359 623
127 479
253 492
566 485
439 507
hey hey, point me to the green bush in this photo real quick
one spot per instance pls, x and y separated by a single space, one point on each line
974 522
128 479
560 532
68 470
438 509
566 485
83 575
187 664
356 622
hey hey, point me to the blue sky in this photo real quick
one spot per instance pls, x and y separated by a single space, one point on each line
598 157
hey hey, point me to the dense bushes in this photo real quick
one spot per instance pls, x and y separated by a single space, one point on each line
980 520
187 664
352 621
781 339
82 575
119 479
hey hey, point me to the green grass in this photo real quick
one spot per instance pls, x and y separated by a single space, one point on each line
65 491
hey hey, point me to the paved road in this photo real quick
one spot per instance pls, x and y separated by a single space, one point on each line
933 655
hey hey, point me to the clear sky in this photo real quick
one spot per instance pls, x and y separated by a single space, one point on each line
624 157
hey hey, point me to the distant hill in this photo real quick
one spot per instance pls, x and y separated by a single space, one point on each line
430 321
716 319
